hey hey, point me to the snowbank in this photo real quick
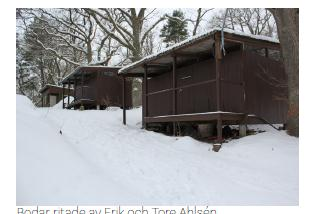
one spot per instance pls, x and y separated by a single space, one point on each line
97 160
59 105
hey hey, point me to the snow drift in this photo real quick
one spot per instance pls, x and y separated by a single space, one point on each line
67 157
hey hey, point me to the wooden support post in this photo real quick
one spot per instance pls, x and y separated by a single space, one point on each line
219 130
217 145
243 125
41 100
68 92
82 79
242 130
124 117
63 92
145 101
218 58
174 95
97 90
75 86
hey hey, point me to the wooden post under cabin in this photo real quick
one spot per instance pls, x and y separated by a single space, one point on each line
63 92
97 90
75 85
174 95
243 125
124 119
218 57
82 79
145 92
68 93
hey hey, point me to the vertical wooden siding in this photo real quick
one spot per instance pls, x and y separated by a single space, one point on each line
232 93
195 99
107 92
264 96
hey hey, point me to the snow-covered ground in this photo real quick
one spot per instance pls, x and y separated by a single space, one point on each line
98 161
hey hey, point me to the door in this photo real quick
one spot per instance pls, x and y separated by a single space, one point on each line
52 100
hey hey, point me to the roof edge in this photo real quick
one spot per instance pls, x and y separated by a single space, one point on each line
191 40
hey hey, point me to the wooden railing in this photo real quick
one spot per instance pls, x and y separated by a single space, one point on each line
181 87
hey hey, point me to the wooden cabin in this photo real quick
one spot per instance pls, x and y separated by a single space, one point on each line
97 87
200 81
52 94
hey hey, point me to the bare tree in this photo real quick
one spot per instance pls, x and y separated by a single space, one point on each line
129 25
255 21
54 42
287 21
201 12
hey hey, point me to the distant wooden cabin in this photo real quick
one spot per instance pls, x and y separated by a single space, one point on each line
97 87
51 95
197 81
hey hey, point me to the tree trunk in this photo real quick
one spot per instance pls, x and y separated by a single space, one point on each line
89 52
42 77
287 21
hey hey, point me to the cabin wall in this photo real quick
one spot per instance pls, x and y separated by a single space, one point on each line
159 104
57 92
266 87
232 89
199 98
88 91
262 78
106 90
194 99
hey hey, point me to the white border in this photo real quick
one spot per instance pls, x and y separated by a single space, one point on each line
8 103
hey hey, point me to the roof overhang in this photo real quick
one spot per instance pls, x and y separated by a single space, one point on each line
89 70
194 47
47 86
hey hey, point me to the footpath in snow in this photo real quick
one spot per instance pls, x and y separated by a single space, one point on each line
98 161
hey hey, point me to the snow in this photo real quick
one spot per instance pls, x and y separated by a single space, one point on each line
59 105
97 160
194 39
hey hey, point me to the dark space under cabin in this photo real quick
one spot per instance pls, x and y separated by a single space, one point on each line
199 82
98 87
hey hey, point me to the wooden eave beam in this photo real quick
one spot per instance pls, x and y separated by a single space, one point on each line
153 65
251 41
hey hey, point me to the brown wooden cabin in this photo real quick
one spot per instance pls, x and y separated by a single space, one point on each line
51 95
97 87
195 81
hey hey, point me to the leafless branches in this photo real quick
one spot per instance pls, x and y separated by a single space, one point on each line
130 27
255 21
